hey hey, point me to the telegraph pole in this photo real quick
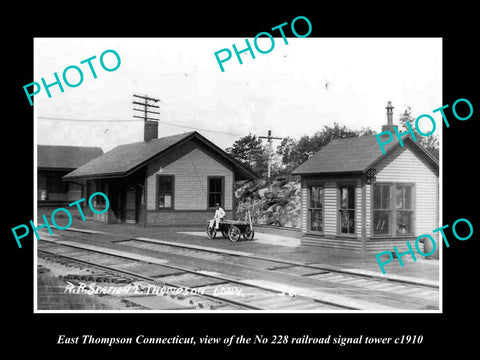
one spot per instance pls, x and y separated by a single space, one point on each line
269 139
146 106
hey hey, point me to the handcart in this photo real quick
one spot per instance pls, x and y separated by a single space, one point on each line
232 229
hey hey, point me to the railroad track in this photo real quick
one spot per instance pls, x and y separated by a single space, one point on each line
423 296
214 289
312 270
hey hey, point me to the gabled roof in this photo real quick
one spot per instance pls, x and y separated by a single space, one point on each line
125 159
352 155
65 157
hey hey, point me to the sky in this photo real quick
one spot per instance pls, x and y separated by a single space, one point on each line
294 90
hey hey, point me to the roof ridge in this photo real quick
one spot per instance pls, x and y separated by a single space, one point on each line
347 155
185 134
125 159
71 146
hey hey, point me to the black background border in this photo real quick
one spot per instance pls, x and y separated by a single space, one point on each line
28 332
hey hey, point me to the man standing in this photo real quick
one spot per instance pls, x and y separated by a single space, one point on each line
219 215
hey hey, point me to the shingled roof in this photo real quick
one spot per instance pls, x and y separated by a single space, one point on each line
56 157
125 159
352 155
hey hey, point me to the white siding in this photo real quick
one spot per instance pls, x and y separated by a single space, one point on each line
358 210
368 202
304 211
404 165
331 208
191 173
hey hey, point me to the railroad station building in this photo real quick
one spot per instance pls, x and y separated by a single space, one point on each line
54 162
356 199
172 180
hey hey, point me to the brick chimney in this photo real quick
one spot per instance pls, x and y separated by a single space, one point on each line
150 130
389 126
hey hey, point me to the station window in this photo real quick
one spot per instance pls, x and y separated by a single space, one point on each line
381 209
393 210
347 209
165 191
404 209
215 191
315 208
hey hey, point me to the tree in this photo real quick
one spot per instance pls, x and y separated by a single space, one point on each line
251 153
366 132
293 152
430 143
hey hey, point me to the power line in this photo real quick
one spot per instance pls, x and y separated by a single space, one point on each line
85 120
115 120
209 130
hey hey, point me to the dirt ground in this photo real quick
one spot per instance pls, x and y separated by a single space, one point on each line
52 294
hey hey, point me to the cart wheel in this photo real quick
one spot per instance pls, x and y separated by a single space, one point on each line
234 233
249 234
225 234
211 232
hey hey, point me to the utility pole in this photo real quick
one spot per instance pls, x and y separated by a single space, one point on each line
146 106
269 139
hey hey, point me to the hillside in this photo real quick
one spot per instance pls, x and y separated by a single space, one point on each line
271 202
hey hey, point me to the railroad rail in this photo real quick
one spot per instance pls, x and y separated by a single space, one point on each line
326 277
288 266
251 297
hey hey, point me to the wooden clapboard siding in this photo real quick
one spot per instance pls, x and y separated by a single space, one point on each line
403 165
304 209
330 220
358 209
355 245
331 202
333 243
407 164
368 204
374 247
191 165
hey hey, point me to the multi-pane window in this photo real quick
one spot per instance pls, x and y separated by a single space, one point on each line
347 209
315 208
165 185
404 209
381 209
215 191
393 210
